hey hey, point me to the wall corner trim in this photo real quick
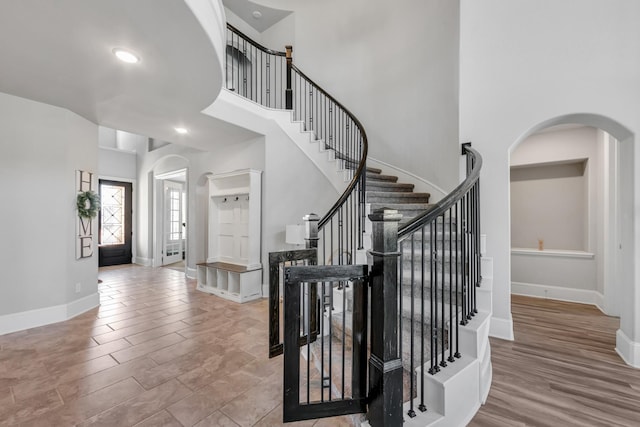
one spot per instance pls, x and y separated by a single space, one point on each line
15 322
145 262
628 350
501 328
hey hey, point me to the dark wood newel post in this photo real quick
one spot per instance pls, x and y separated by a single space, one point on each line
311 230
385 364
311 239
289 92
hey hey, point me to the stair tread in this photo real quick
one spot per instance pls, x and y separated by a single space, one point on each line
396 197
372 176
374 171
391 194
402 206
390 187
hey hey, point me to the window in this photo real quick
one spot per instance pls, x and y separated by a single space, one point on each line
112 203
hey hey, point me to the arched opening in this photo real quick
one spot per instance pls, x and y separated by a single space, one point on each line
579 247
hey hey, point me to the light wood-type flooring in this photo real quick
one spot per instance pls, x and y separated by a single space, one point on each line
561 370
159 353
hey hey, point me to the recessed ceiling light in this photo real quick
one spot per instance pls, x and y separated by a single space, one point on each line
126 56
182 130
257 14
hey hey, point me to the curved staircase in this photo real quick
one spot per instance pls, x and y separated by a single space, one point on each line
443 349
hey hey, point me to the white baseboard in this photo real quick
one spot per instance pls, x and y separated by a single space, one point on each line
83 304
599 301
145 262
44 316
627 349
581 296
501 328
192 273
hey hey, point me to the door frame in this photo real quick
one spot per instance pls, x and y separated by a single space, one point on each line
180 186
134 201
157 213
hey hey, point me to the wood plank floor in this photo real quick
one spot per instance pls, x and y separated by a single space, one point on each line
155 353
158 353
561 370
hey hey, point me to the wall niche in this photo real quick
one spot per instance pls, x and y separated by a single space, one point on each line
549 205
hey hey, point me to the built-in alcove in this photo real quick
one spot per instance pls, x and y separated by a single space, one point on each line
233 269
549 206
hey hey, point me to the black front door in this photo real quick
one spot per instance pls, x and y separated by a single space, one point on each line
114 222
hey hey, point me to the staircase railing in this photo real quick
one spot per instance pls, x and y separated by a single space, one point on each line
440 264
271 79
254 71
426 271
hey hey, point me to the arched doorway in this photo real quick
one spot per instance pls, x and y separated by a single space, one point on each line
612 244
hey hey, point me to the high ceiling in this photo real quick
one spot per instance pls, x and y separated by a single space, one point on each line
60 53
245 9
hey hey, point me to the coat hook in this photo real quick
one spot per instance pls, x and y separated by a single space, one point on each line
225 200
236 198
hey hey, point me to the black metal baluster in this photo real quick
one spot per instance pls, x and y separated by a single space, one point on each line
443 331
411 412
399 290
422 407
433 306
458 261
268 78
474 239
465 262
330 375
243 66
340 236
477 185
344 342
331 241
324 310
307 332
451 261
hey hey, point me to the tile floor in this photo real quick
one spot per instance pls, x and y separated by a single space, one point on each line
155 353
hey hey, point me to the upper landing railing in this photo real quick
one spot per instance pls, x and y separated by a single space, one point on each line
271 79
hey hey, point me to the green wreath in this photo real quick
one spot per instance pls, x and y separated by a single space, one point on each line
88 204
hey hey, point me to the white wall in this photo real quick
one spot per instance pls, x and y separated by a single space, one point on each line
526 65
287 179
394 65
41 147
114 163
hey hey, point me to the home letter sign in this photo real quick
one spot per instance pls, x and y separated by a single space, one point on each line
84 245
